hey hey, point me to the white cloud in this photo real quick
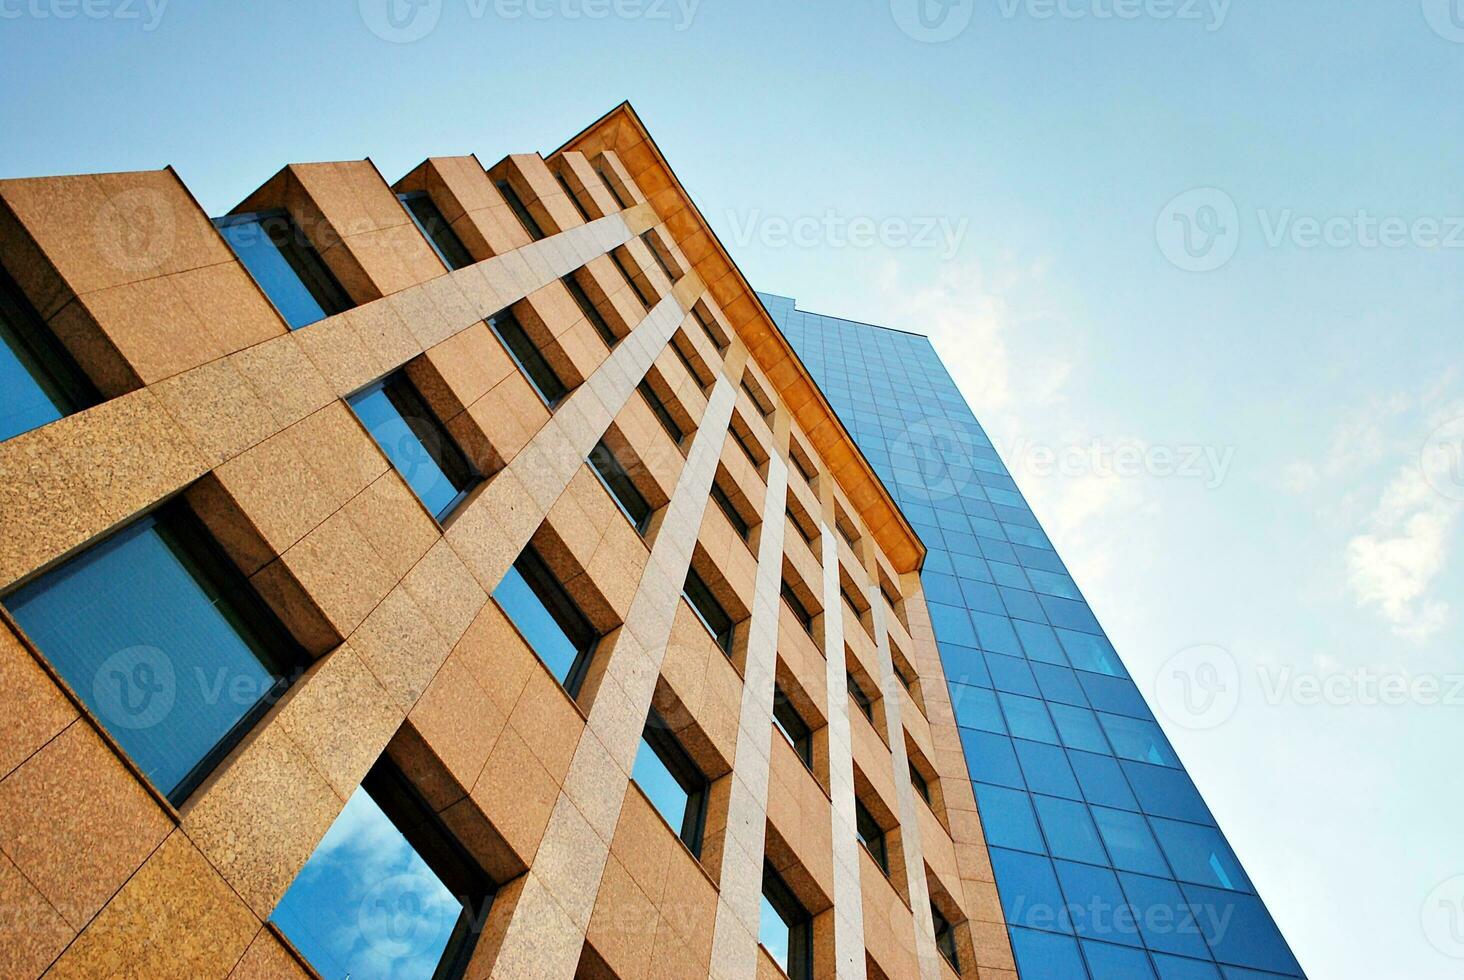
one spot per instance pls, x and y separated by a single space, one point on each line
1392 566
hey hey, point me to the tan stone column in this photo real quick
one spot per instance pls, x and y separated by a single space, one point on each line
734 944
848 890
544 921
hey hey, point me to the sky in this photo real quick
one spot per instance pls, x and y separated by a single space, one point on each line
1196 266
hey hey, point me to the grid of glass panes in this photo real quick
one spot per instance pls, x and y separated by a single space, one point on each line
1087 810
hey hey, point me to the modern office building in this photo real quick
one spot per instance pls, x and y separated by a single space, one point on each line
457 576
1107 861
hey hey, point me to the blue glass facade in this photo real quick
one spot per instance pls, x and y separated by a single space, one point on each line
1107 860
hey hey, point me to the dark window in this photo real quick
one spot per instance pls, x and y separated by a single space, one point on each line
798 526
792 727
784 928
283 262
662 413
742 444
709 610
416 443
871 837
705 324
569 193
866 706
641 288
548 618
725 502
903 678
519 209
760 401
591 312
632 502
165 641
945 939
849 601
845 531
804 466
388 891
672 782
530 361
799 610
614 191
919 782
686 362
39 382
436 230
656 254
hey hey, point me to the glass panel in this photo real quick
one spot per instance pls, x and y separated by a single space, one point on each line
415 442
366 904
711 613
436 230
1200 854
520 211
772 932
663 789
1130 844
1134 738
591 312
1069 830
1043 956
530 361
621 487
282 261
1106 962
546 617
1006 816
871 836
38 383
162 640
662 413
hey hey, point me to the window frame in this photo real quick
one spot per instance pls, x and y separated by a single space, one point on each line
945 937
796 606
520 210
561 606
918 780
661 411
407 390
302 258
657 735
620 474
724 640
39 350
647 302
861 698
440 850
455 244
590 310
792 727
872 836
645 238
798 920
231 593
569 193
723 501
530 359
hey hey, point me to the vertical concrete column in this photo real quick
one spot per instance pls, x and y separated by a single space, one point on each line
918 890
734 944
848 891
544 923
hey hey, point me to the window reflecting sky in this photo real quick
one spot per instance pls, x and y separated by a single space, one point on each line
366 906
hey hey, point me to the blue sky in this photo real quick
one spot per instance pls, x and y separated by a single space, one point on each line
1018 179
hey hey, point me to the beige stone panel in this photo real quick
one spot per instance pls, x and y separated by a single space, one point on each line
77 822
176 919
36 709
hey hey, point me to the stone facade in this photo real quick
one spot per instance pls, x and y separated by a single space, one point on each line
208 398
